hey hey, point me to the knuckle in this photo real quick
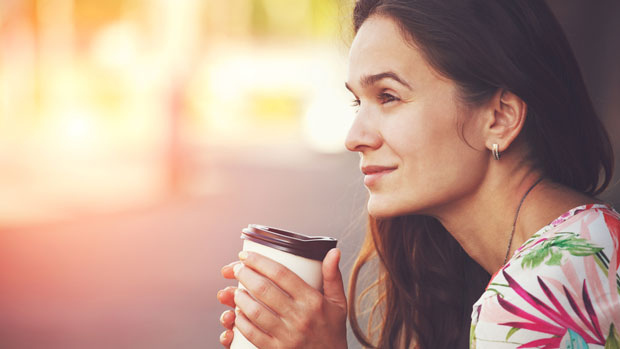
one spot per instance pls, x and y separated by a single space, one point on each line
254 312
280 273
261 288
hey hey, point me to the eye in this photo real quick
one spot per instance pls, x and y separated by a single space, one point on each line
385 97
355 104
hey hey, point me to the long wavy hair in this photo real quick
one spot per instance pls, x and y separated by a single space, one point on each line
426 283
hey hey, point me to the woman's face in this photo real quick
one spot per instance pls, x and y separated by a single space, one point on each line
413 154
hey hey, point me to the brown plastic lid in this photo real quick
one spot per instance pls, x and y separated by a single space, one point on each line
313 247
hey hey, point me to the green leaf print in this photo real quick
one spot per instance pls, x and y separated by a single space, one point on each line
552 250
498 293
511 332
612 341
556 258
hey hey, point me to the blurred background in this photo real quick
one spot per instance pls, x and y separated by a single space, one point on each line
138 137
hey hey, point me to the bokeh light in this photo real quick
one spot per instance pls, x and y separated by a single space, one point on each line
87 86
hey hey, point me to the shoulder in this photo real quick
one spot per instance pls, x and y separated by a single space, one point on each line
562 285
585 231
574 263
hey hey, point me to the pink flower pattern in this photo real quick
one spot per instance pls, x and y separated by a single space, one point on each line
561 288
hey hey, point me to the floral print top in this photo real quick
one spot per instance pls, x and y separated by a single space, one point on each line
561 288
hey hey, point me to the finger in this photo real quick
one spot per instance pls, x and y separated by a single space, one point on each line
227 319
226 338
333 287
227 270
257 313
252 333
280 275
227 296
264 290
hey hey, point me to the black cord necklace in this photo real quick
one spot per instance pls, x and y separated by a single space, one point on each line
514 223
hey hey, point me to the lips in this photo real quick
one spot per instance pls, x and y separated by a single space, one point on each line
374 174
370 170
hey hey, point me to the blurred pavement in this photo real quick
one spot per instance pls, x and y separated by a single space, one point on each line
148 279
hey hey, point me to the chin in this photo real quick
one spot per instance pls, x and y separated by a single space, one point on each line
380 209
389 206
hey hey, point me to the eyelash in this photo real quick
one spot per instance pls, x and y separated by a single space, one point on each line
386 97
383 97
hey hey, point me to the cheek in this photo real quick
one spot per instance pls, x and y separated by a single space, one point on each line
430 143
438 166
440 156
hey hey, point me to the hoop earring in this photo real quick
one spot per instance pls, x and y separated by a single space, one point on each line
495 151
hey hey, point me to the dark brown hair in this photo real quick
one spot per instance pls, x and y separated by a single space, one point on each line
427 283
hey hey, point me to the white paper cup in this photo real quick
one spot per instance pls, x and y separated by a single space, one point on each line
302 254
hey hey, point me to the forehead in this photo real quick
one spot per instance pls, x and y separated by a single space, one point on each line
380 46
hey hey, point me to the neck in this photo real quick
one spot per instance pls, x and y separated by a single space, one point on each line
482 222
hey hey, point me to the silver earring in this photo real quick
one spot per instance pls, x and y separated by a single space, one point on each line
495 151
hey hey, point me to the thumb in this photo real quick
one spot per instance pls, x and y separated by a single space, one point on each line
333 287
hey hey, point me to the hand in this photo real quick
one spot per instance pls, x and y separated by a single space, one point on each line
226 297
294 314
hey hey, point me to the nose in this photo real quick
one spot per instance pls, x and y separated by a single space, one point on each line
363 134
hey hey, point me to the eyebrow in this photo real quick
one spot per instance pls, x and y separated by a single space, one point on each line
368 80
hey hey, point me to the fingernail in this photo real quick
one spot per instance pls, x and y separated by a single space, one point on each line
219 293
224 336
222 317
243 255
236 268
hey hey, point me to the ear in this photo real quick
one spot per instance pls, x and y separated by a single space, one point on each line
505 118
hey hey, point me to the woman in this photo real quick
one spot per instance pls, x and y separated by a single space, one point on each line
482 156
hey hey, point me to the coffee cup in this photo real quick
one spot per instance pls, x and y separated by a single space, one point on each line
300 253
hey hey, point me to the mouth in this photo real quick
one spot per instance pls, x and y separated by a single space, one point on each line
374 173
371 170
